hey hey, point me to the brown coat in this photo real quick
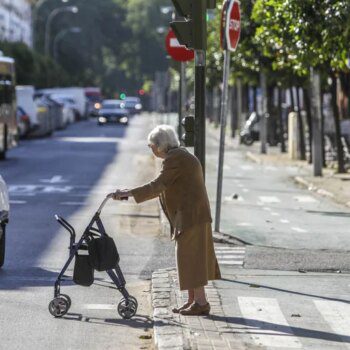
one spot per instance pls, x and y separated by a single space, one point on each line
181 188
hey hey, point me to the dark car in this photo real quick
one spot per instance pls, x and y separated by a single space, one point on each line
133 105
113 111
4 215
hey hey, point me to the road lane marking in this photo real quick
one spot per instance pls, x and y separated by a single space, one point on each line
245 190
275 214
284 221
244 224
268 325
299 230
337 315
305 199
72 203
267 208
269 199
17 202
230 255
246 167
100 306
54 180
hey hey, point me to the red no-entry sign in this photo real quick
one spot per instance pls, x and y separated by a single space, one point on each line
230 25
175 50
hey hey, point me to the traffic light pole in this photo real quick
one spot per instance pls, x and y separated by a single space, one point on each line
199 91
223 119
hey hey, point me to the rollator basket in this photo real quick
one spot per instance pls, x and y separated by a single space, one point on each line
94 250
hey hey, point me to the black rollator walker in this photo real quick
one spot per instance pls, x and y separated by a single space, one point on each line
83 271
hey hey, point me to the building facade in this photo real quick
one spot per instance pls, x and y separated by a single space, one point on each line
16 21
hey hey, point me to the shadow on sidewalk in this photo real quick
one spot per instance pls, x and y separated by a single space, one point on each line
138 321
256 327
286 291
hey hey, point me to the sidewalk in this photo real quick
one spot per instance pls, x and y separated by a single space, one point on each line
332 185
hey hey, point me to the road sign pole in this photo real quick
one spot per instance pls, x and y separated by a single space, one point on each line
182 96
223 120
199 91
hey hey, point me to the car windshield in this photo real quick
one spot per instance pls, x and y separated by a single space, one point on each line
114 105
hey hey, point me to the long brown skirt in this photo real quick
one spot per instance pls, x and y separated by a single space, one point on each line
195 257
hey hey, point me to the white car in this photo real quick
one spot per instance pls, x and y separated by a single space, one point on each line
68 107
4 217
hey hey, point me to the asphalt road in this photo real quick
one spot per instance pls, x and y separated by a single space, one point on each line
69 174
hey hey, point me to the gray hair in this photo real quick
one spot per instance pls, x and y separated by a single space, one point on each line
164 137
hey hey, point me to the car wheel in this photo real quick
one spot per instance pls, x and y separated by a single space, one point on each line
2 246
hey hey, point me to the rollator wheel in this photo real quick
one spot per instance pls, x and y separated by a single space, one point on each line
58 307
127 309
65 296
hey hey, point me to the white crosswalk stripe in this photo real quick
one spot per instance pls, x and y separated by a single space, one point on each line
269 199
262 314
270 326
233 256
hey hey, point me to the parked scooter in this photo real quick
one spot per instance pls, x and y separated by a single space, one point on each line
248 135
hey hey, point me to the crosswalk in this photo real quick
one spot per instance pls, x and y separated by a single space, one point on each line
233 256
270 324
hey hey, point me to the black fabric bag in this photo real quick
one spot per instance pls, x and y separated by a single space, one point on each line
83 272
103 253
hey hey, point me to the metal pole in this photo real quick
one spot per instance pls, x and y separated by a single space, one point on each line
223 119
263 120
316 123
182 96
199 91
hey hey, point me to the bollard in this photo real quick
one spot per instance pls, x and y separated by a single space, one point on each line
293 138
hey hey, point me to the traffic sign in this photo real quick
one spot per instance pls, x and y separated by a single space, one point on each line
233 25
177 51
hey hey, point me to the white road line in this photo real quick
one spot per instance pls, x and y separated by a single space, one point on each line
269 199
246 167
244 224
230 249
240 185
299 230
72 203
17 202
245 190
268 325
275 214
267 208
221 257
305 199
284 221
337 315
100 306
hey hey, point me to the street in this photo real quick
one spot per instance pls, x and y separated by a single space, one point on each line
69 174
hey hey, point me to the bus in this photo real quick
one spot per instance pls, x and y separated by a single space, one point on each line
8 122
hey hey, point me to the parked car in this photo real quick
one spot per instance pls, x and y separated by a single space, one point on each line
76 93
23 122
68 112
133 104
4 218
45 118
113 111
94 97
26 111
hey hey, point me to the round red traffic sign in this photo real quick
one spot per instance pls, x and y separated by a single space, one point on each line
233 25
175 50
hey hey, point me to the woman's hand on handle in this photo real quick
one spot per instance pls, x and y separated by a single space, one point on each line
120 195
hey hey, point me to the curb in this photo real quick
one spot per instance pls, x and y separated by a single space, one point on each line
311 187
253 157
168 330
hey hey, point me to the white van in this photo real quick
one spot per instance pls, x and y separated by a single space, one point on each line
77 94
25 100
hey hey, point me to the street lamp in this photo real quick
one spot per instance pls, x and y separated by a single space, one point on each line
53 14
36 8
60 36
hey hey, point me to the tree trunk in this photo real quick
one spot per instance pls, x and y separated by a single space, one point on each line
340 151
280 117
322 131
309 119
301 128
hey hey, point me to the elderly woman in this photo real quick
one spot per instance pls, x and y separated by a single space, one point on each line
183 196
